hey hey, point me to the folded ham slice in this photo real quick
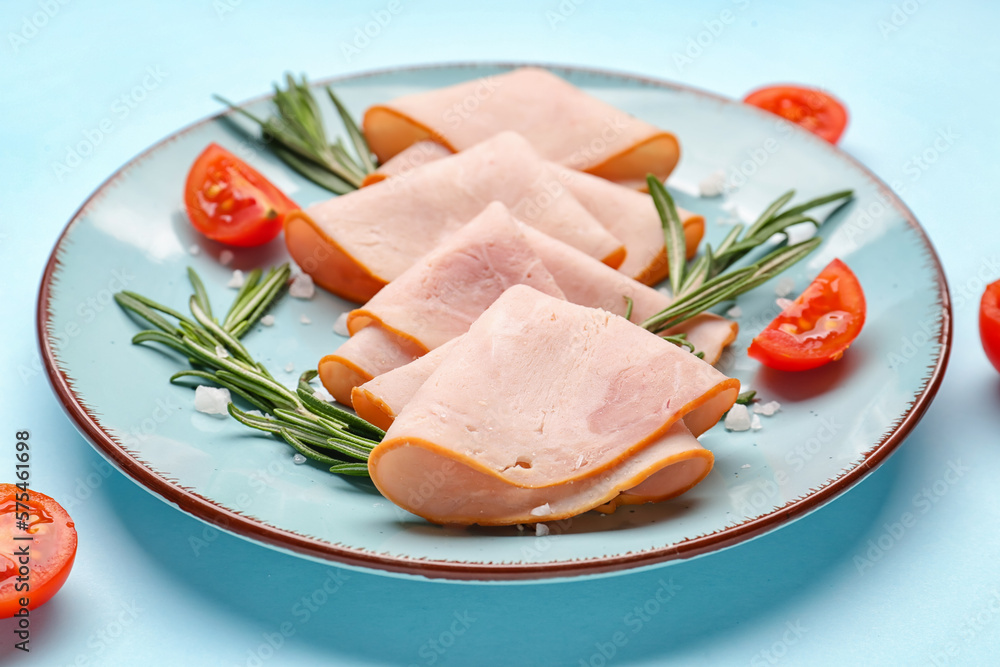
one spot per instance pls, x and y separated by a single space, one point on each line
354 244
545 410
440 296
437 299
565 125
628 215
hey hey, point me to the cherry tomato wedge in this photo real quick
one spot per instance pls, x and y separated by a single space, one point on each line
819 112
37 576
989 323
229 201
818 326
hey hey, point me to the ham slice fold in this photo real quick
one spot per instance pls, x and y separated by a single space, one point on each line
545 410
354 244
563 123
439 297
628 215
436 299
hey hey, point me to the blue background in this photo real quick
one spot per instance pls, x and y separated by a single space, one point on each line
844 585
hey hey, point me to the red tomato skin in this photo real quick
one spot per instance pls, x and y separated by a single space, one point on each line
815 110
785 351
989 323
259 210
56 539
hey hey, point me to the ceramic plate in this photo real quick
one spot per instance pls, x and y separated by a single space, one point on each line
835 425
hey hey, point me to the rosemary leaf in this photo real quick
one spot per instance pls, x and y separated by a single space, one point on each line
673 232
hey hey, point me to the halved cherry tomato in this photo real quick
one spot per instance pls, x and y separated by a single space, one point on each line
229 201
819 112
39 574
818 326
989 323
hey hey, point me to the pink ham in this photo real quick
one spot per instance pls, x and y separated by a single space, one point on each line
563 123
545 410
436 299
442 295
354 244
628 215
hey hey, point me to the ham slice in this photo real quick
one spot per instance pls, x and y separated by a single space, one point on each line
354 244
545 410
437 299
563 123
628 215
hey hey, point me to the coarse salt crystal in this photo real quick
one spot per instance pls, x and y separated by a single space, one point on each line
211 400
226 256
713 185
267 320
255 413
767 409
520 527
541 510
289 367
237 280
755 424
784 303
305 320
340 326
302 287
738 418
220 352
195 249
579 461
734 312
541 530
784 286
745 466
298 459
322 394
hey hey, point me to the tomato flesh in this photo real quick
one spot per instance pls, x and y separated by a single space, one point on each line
229 201
817 111
818 326
989 323
51 549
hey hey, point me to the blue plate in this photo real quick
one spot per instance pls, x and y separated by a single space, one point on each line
835 425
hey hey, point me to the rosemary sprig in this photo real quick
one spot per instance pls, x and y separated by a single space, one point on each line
314 428
709 280
298 137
